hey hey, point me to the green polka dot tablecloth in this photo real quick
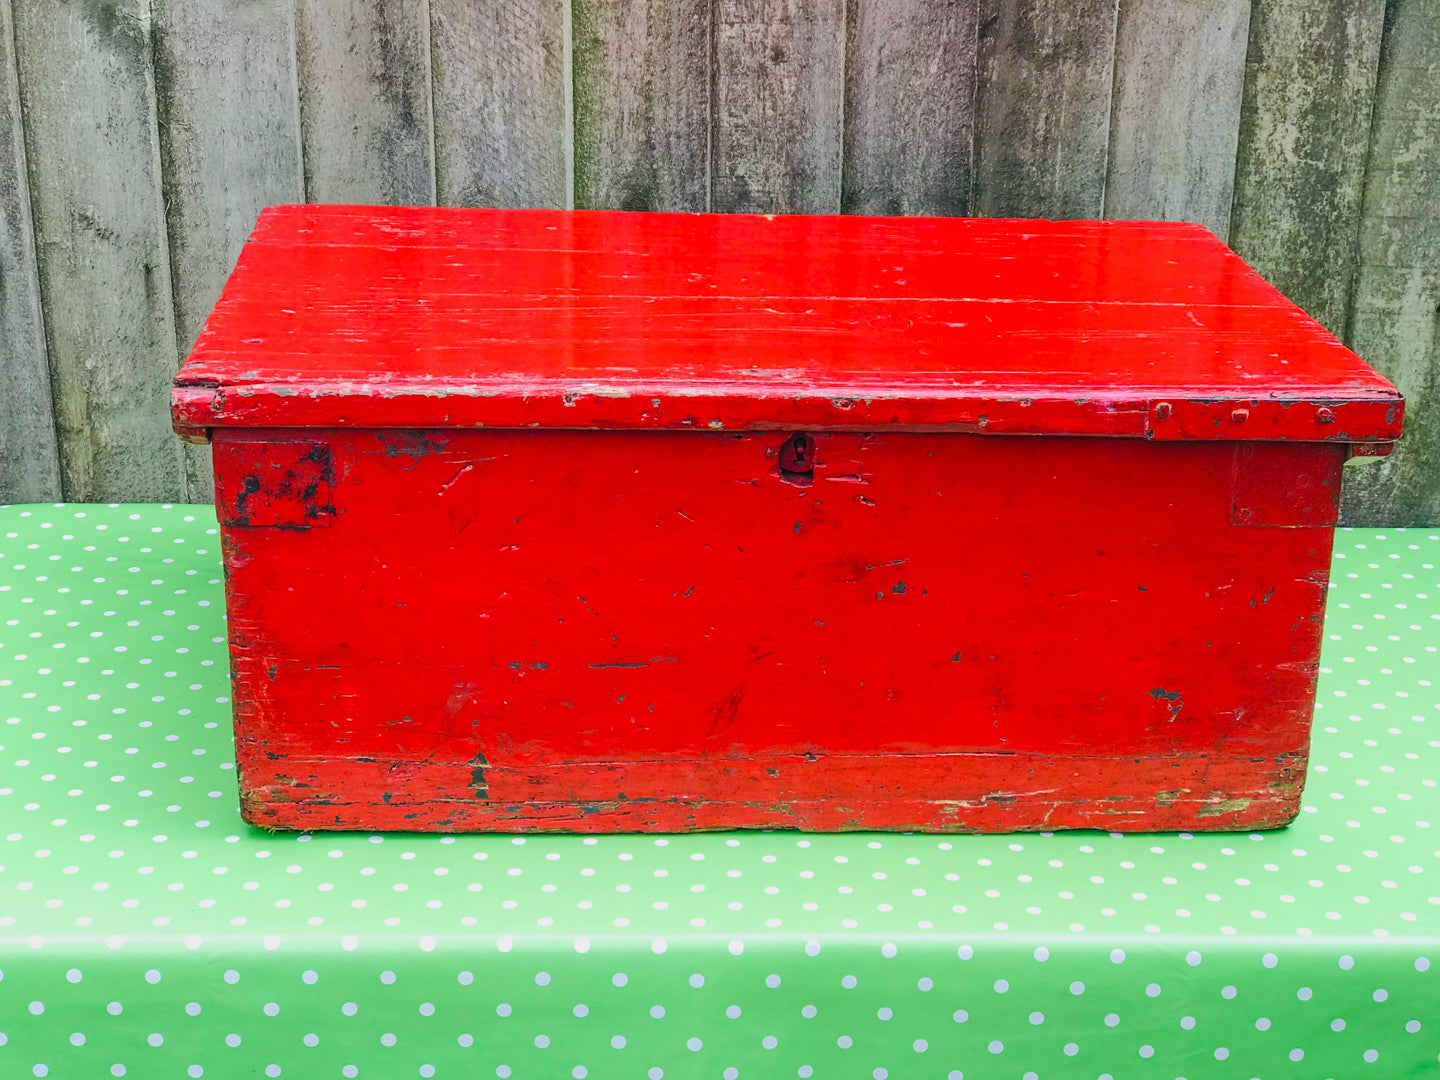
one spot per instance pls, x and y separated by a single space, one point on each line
145 931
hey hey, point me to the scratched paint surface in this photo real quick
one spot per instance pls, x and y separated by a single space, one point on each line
145 931
426 317
664 631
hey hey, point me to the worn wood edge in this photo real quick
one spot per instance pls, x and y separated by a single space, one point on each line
1267 810
1355 415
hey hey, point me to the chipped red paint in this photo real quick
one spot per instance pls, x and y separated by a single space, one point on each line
579 617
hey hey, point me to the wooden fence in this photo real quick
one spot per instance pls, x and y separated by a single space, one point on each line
138 139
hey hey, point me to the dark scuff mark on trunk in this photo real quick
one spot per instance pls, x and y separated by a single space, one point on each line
252 486
1174 702
412 444
478 784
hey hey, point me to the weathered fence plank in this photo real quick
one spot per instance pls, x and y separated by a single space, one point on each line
779 97
364 78
501 96
909 106
229 144
1304 130
1174 122
1395 309
88 95
1042 112
642 104
29 456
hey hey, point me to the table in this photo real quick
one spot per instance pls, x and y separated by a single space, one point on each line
145 931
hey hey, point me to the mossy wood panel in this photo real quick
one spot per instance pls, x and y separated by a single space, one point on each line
229 146
778 110
93 152
29 457
642 104
1042 110
909 106
363 74
1304 135
1175 118
1395 311
501 100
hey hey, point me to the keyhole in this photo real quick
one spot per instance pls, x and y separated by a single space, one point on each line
797 458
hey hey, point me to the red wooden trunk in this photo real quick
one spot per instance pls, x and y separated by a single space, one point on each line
598 521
